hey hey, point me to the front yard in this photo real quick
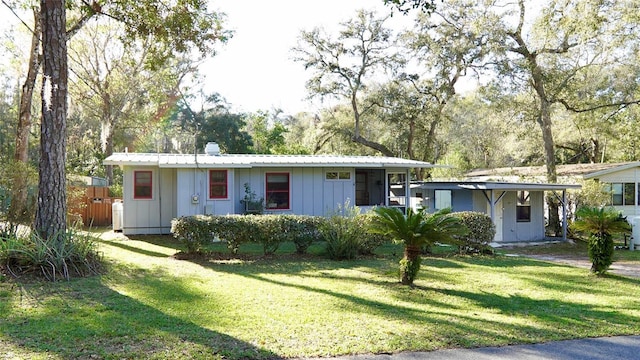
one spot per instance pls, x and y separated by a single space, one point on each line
151 305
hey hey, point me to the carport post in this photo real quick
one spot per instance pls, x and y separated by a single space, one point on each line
564 214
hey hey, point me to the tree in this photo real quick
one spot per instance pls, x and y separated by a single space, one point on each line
344 67
18 209
447 46
180 28
552 57
51 221
112 88
404 6
601 223
415 230
267 133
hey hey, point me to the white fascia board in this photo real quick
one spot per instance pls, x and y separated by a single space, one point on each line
597 174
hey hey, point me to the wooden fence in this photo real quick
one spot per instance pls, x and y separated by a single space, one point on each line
94 208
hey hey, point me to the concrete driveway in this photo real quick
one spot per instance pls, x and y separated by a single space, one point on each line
607 348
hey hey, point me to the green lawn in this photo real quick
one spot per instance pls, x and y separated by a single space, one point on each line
150 305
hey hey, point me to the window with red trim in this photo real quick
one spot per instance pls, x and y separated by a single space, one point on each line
218 184
142 184
277 191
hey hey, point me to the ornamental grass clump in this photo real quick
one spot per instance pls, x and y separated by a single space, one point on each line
72 254
416 229
600 224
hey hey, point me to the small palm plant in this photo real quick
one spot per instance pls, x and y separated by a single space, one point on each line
415 230
601 224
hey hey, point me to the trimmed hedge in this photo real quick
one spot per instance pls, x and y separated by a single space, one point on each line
481 232
196 232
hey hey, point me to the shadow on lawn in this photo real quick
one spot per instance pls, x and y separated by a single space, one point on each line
123 246
87 318
555 319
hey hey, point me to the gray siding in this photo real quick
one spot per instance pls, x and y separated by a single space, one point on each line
149 216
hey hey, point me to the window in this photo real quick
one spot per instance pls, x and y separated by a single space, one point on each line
442 199
142 182
277 191
218 184
629 194
623 193
338 175
523 207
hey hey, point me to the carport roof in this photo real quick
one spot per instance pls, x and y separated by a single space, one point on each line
490 185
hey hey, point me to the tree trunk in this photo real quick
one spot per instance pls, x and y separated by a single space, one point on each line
410 264
106 130
550 158
356 131
17 210
51 213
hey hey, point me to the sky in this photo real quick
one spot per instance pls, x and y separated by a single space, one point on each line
254 70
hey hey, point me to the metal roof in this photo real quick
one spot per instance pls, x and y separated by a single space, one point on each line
541 171
616 168
253 160
488 185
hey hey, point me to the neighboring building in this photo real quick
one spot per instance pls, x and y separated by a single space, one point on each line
623 180
160 187
517 209
535 174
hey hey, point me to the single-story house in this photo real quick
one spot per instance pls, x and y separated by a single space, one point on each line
623 180
160 187
517 209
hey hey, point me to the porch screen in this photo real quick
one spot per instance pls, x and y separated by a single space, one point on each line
277 191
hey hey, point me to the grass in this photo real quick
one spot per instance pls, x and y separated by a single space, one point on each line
150 305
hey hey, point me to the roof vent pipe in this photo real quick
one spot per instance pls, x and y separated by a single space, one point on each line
212 149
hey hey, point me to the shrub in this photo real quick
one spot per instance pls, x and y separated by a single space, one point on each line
600 224
195 232
73 254
347 234
302 230
369 241
341 237
268 230
342 233
192 231
480 235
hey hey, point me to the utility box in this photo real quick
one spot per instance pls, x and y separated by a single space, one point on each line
117 216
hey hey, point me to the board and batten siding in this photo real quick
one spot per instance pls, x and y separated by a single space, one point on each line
512 230
154 215
309 192
195 183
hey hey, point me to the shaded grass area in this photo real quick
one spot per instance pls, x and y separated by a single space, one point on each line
150 305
